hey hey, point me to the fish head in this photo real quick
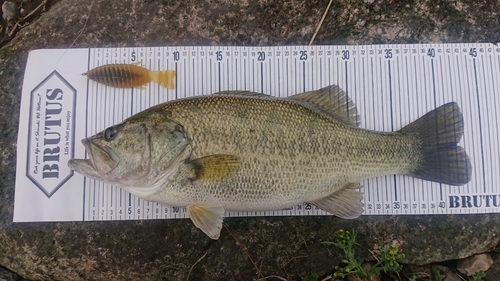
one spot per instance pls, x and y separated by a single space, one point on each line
135 153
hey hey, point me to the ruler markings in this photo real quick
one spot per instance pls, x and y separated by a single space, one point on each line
472 127
404 108
434 106
398 181
442 100
481 120
493 108
494 123
487 119
367 195
452 95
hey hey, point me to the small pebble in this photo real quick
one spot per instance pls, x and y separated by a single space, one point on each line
10 11
473 264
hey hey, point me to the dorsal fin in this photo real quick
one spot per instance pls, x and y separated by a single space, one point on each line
240 93
333 100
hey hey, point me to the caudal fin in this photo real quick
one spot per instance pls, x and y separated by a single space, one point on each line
443 160
164 78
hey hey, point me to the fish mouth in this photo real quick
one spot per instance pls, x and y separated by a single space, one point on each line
101 160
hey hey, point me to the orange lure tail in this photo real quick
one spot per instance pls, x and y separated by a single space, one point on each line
164 78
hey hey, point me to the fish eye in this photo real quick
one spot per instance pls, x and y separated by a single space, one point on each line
110 133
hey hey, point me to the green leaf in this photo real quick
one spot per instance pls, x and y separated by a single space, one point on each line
312 277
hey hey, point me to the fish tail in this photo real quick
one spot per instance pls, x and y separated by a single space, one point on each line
442 159
164 78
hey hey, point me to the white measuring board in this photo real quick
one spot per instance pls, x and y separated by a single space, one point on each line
391 85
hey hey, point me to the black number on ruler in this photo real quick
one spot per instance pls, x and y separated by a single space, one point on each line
441 204
176 55
431 53
397 205
388 53
261 56
473 52
133 58
219 55
303 55
345 54
129 210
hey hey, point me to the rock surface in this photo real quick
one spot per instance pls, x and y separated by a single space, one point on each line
289 247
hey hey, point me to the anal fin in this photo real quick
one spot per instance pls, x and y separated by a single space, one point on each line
345 203
208 218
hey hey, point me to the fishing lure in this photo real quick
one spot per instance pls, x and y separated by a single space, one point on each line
130 76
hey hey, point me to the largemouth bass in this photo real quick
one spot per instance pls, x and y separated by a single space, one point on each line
244 151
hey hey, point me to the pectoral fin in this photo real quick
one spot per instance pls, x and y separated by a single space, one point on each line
212 168
345 203
208 218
